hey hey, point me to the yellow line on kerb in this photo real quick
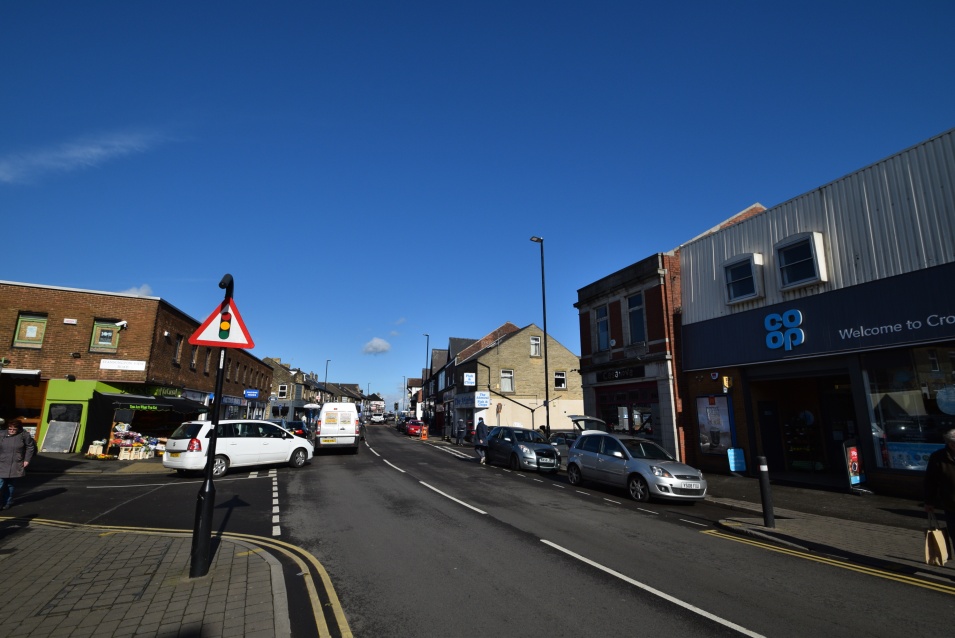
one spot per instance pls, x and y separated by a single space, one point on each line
870 571
298 555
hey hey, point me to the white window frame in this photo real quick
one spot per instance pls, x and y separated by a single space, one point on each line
507 381
816 246
535 347
560 380
643 318
283 391
602 346
755 261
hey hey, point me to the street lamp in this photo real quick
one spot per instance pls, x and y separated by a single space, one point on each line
427 346
540 240
327 361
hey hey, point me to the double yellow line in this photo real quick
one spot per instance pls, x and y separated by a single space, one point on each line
305 561
870 571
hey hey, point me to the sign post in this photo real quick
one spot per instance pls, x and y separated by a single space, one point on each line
224 336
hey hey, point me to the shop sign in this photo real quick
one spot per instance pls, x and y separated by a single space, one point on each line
470 379
633 372
251 394
119 364
163 391
482 399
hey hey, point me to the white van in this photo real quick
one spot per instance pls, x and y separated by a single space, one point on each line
338 425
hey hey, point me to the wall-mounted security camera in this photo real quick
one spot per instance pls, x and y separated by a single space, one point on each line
121 324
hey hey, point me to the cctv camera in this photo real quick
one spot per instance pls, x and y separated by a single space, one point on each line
120 324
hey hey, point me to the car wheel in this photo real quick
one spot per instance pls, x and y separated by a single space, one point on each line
638 488
299 457
573 474
515 463
220 465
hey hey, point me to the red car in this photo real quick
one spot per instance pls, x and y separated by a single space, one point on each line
413 428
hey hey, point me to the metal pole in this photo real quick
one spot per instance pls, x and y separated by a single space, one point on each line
540 240
765 493
206 499
326 380
424 403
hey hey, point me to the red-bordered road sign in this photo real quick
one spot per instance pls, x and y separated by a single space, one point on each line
223 328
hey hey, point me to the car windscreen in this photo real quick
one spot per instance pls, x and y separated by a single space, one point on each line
186 431
646 450
528 436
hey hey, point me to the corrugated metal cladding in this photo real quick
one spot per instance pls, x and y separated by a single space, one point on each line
894 217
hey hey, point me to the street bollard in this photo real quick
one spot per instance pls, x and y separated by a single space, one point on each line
765 493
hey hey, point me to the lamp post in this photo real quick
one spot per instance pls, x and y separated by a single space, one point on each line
327 361
427 346
404 392
540 240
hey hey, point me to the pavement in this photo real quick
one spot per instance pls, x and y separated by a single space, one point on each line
78 580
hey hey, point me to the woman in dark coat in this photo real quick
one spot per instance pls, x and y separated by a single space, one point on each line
17 448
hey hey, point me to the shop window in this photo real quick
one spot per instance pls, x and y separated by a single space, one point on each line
801 261
638 330
912 404
535 346
105 336
560 380
30 331
507 380
743 275
283 391
603 329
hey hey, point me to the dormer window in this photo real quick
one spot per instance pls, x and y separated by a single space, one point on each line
743 275
801 261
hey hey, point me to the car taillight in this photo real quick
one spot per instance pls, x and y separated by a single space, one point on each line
357 427
194 446
318 427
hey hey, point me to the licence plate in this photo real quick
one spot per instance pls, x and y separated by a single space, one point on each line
327 439
174 454
546 461
691 486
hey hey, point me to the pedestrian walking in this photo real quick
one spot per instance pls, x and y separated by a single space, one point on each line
480 440
17 448
940 483
459 433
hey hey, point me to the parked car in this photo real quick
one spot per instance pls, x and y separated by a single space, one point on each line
389 417
521 449
377 418
562 440
402 424
641 466
239 443
413 428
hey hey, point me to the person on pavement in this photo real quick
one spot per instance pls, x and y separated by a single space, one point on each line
480 439
459 433
17 448
940 482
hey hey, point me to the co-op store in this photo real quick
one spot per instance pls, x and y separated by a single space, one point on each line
811 382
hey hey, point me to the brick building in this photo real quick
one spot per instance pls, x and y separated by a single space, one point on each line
92 358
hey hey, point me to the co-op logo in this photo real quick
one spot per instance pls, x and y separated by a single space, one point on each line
784 330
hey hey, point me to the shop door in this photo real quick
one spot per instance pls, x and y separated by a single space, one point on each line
768 413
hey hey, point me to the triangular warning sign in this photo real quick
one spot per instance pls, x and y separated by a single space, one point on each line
223 328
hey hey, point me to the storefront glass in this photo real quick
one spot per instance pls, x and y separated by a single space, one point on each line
632 410
912 399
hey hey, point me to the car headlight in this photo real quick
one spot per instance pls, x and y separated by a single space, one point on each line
659 471
526 451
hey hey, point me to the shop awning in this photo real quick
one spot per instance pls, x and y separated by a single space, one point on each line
20 374
153 404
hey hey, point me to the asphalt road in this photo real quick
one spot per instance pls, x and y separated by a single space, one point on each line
421 540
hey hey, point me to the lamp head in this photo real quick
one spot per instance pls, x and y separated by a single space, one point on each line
537 240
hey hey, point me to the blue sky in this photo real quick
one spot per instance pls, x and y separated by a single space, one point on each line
372 171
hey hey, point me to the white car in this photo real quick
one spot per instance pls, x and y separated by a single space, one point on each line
377 418
239 443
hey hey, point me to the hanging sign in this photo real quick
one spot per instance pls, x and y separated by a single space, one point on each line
223 328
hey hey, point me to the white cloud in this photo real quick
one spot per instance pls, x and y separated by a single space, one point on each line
376 346
20 168
393 333
400 321
140 291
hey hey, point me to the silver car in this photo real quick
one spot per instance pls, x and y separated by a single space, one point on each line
521 449
642 467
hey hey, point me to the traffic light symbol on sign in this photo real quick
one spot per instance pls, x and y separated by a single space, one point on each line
225 324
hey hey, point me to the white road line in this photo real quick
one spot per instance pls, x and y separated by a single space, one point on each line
648 511
253 474
394 466
275 520
373 451
612 501
459 502
538 480
275 509
694 523
657 592
558 485
584 493
106 487
276 530
275 501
